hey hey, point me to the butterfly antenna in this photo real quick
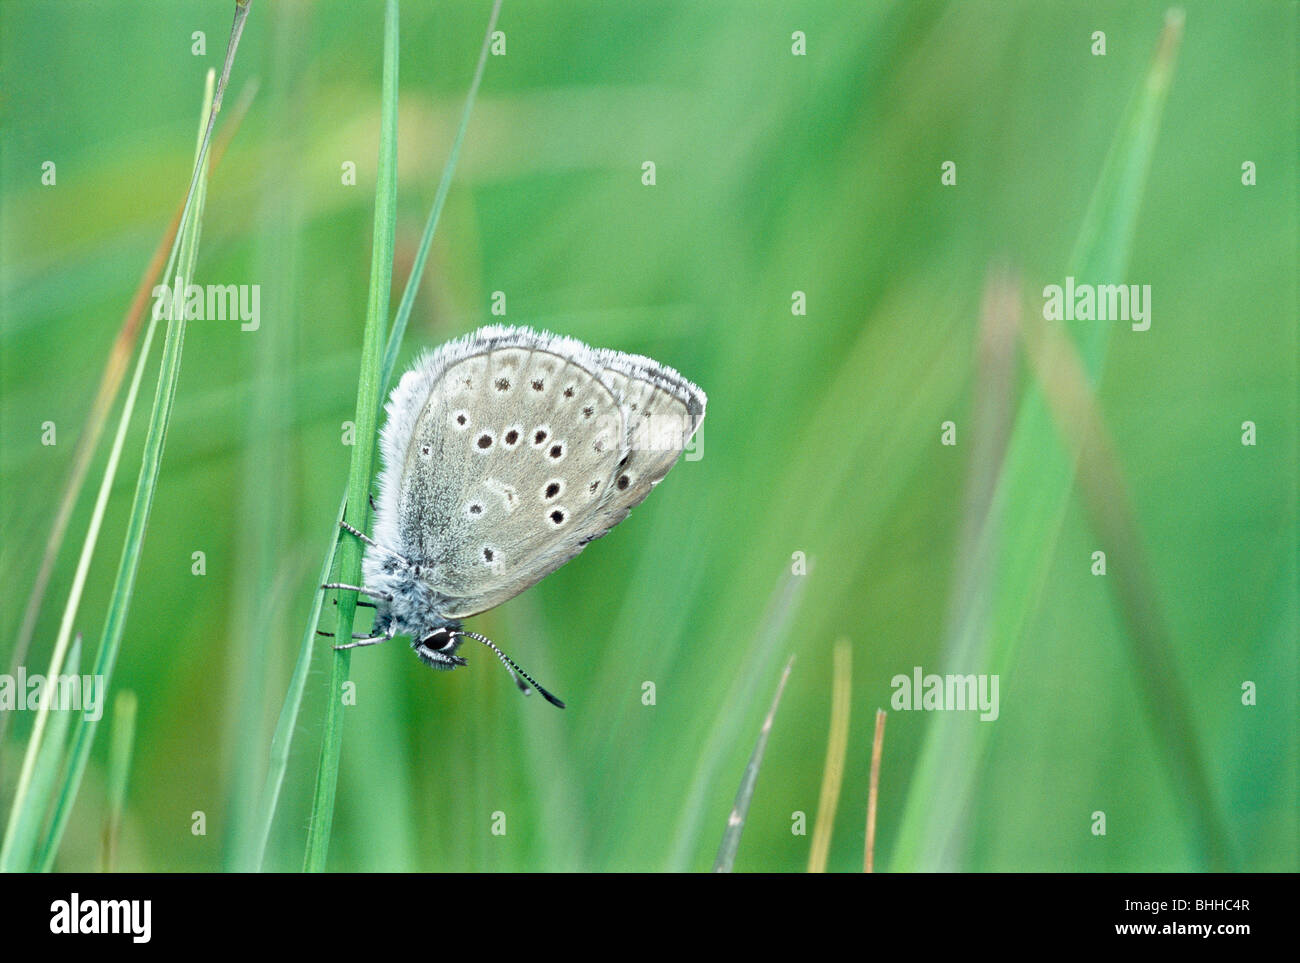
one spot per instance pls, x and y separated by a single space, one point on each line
513 668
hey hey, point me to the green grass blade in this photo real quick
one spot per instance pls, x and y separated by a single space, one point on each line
282 741
736 821
724 730
439 199
78 586
119 768
48 763
837 748
184 258
97 418
73 776
367 412
142 503
1105 494
264 498
92 532
1030 503
289 712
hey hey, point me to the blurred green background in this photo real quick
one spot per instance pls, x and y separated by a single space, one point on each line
775 173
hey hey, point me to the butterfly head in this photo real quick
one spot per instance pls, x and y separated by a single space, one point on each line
409 605
438 648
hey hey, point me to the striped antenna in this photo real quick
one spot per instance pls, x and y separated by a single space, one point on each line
512 667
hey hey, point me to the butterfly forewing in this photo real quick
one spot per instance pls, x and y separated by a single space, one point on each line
522 443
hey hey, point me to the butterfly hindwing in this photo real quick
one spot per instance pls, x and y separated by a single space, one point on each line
663 412
505 454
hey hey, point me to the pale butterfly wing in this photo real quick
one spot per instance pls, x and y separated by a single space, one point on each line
663 411
508 461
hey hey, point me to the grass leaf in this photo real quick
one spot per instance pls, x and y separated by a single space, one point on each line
1033 490
873 792
284 730
49 762
837 747
1105 493
110 384
736 821
183 259
119 768
723 730
184 256
363 454
283 738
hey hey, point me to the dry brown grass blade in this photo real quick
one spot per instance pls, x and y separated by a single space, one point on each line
837 746
877 750
993 413
1059 370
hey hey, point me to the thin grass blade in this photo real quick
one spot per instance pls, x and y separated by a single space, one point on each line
49 762
285 726
736 821
90 541
435 212
363 454
110 384
185 256
1034 487
1059 370
873 792
837 749
725 728
119 768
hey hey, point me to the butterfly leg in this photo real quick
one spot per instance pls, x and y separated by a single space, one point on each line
364 640
358 588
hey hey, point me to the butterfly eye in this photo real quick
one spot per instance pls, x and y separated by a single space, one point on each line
439 640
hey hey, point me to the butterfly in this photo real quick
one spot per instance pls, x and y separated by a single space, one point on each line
504 453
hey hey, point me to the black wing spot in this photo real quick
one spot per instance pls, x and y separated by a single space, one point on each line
623 482
503 384
485 441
